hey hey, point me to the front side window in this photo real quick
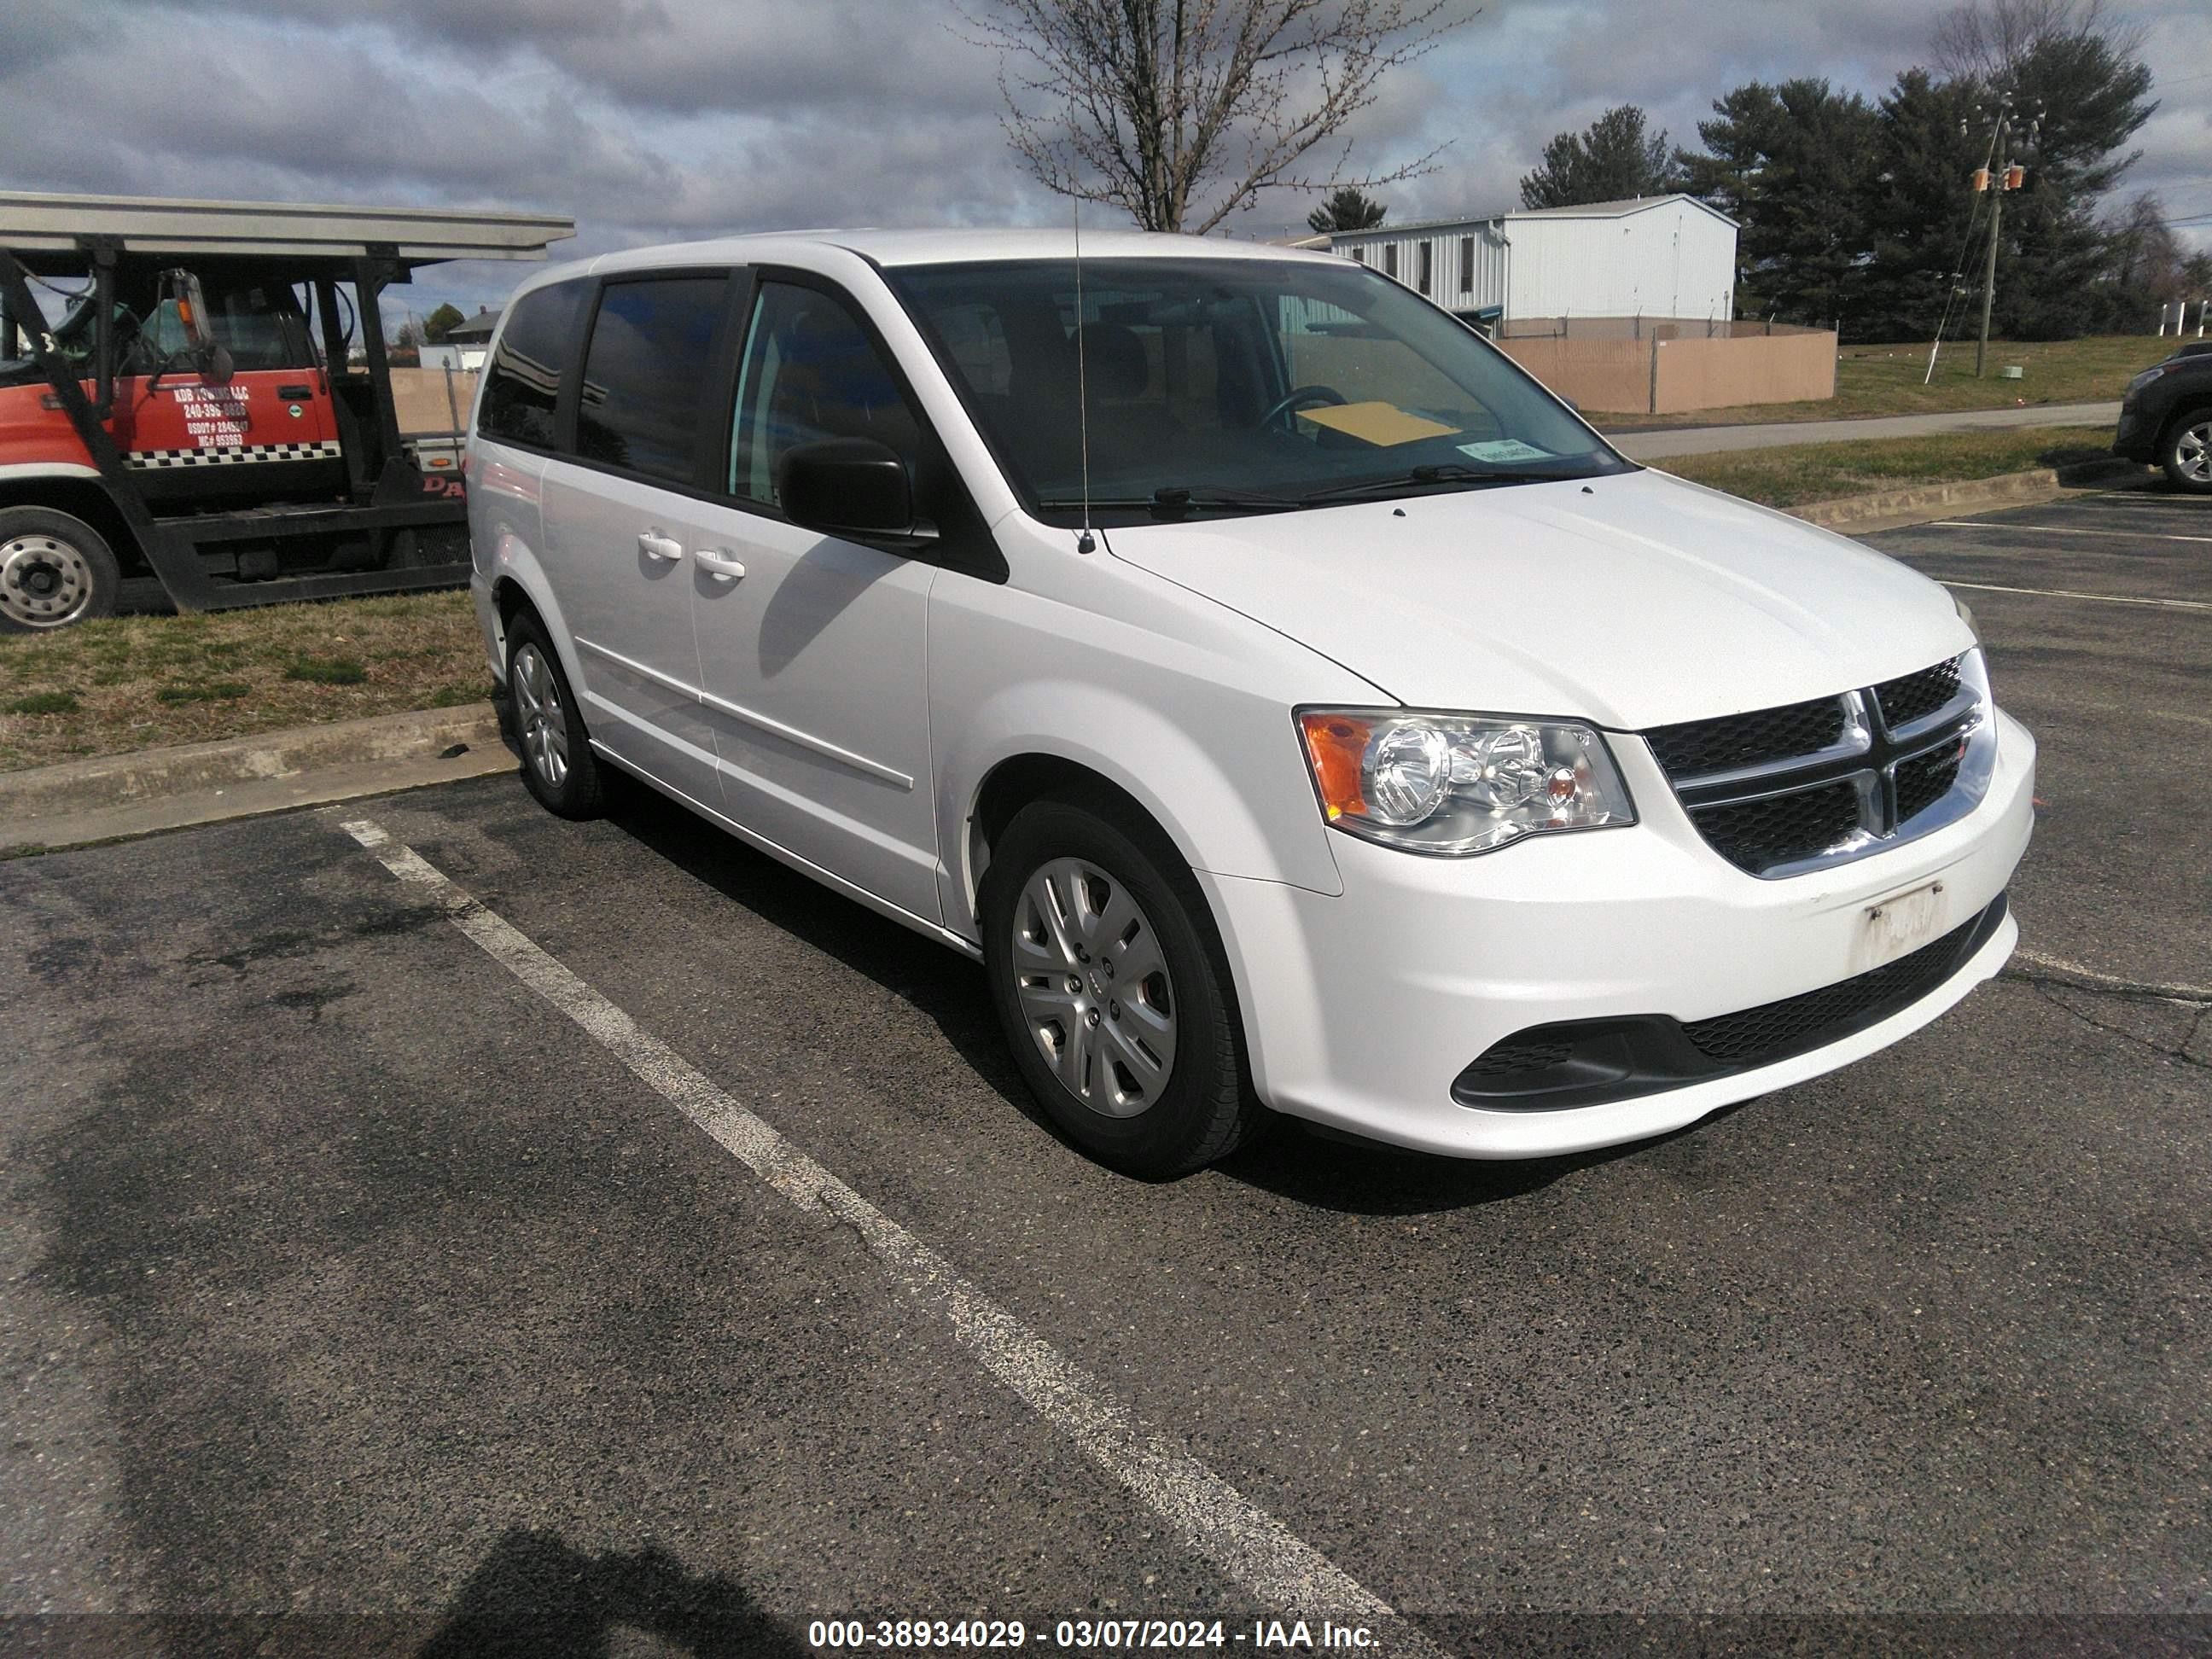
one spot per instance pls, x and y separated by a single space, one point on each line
811 372
522 381
638 406
1234 385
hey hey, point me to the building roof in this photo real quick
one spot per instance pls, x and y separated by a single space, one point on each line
471 330
1619 210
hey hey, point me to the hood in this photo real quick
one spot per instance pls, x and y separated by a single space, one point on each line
1632 600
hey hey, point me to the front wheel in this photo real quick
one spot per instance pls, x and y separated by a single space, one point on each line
2186 451
1110 986
54 570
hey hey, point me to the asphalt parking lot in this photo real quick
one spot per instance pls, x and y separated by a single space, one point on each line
367 1288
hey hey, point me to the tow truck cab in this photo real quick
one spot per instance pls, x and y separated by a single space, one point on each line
207 399
268 432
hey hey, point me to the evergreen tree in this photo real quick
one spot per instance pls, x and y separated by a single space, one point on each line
1609 161
1792 164
1919 204
1346 208
2092 95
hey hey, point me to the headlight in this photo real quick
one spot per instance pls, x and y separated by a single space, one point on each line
2142 380
1456 784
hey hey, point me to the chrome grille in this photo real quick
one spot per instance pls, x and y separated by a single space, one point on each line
1780 790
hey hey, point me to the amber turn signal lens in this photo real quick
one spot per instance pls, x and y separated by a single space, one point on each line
1337 744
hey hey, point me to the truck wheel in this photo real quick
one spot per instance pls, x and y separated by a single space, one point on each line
2185 452
558 766
54 570
1113 992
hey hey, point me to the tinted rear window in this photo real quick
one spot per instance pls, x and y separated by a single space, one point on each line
523 380
639 404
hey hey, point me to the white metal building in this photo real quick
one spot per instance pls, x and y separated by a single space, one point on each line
1652 256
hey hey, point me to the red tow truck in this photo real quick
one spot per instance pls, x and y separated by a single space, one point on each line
195 412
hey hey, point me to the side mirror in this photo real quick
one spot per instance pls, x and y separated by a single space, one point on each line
191 309
847 487
211 359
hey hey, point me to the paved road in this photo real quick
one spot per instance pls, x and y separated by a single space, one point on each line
1703 439
357 1297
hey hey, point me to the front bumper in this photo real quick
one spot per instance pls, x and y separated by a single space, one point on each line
1363 1009
2136 438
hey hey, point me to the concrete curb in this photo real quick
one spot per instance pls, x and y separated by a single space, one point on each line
1938 501
119 795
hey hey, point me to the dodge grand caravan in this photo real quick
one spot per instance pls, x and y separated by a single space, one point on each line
1288 701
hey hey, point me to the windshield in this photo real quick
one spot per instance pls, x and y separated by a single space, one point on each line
1234 385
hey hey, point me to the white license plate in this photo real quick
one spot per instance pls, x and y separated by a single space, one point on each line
1897 926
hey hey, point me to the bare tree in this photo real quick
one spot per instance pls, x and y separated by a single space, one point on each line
1181 111
1988 40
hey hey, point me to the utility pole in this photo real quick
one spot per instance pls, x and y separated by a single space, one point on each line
1998 178
1989 275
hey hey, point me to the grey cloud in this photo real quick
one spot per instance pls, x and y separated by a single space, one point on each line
656 119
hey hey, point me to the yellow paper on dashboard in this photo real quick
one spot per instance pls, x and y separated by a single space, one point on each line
1384 425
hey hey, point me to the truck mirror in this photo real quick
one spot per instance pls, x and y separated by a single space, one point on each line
184 288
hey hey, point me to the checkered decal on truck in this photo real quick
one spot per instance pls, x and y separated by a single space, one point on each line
325 451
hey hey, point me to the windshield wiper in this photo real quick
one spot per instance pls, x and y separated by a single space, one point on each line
1174 500
1444 472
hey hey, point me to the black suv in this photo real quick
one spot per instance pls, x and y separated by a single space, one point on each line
2166 418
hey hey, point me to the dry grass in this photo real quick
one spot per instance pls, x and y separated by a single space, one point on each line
1885 380
129 682
1792 474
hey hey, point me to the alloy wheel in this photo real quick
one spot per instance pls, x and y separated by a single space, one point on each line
1091 979
539 718
2192 453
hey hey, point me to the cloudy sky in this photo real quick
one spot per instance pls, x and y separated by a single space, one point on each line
651 120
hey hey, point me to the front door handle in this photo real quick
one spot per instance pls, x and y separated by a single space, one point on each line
655 545
717 562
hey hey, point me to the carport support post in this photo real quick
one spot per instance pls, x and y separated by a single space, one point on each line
369 277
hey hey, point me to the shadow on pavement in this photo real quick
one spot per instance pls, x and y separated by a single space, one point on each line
1288 1160
535 1596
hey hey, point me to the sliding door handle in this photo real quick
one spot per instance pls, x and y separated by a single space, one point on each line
654 545
717 562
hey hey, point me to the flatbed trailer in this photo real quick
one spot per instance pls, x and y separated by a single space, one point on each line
196 414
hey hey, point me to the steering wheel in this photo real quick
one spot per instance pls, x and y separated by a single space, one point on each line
1299 399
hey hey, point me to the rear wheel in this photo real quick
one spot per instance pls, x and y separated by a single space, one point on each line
2185 452
1111 988
558 766
54 570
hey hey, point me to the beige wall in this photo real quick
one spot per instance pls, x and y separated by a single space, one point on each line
418 395
1787 368
1613 375
1669 375
1610 374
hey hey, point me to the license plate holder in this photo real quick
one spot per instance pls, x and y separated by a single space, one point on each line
1900 924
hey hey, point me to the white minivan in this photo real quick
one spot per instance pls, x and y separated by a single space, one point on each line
1289 701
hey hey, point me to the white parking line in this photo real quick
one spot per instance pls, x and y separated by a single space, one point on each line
1286 1574
2062 530
2068 593
2192 996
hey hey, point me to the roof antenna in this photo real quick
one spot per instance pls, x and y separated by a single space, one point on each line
1085 543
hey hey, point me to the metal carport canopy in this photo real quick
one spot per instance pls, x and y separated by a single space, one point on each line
33 223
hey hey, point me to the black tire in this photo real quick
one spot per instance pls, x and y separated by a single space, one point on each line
558 766
2185 451
55 571
1206 1106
